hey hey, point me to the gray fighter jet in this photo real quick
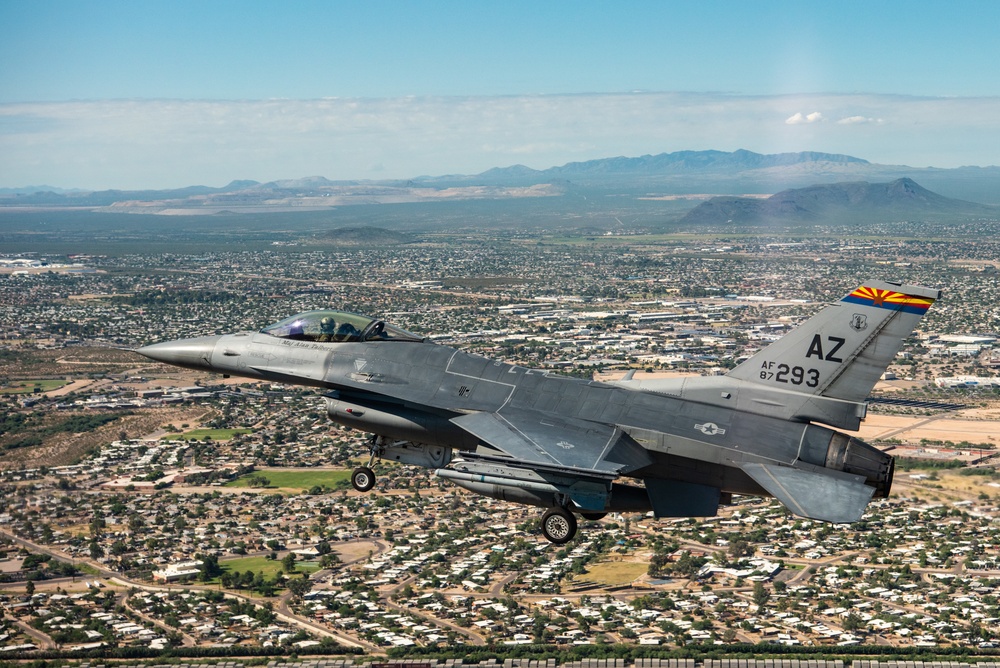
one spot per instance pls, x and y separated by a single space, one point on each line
565 444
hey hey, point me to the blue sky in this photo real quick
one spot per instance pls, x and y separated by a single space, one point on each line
107 94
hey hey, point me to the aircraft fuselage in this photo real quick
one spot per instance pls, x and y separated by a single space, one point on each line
411 390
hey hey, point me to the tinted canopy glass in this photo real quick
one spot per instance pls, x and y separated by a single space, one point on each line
337 327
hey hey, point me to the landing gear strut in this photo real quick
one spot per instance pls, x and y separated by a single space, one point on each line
558 525
363 477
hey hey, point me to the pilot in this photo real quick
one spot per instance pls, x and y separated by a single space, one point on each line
327 329
346 332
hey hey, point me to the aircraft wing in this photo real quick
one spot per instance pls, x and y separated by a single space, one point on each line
552 441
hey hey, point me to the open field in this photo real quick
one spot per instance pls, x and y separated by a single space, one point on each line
29 386
946 486
949 428
612 573
298 480
268 567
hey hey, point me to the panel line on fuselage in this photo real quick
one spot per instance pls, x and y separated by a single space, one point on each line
802 442
480 379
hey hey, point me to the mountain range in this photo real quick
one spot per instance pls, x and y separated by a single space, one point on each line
680 174
683 163
735 173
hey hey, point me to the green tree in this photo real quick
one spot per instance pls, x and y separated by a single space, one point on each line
760 594
210 567
328 560
288 562
740 548
299 586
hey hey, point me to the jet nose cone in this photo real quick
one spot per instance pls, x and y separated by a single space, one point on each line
191 353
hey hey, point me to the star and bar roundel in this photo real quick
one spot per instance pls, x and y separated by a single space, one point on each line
897 301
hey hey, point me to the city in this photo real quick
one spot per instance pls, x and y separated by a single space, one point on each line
150 507
735 264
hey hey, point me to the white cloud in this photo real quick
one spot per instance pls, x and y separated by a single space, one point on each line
799 119
167 143
859 120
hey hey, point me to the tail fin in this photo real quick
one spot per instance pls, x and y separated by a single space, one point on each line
843 350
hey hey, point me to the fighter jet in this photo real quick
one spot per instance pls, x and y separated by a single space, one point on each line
677 447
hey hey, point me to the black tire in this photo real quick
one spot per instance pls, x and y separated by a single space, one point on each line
558 526
363 479
593 517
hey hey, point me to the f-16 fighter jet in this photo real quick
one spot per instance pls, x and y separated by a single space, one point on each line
677 447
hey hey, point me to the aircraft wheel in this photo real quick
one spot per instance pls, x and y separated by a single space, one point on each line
558 526
363 479
593 517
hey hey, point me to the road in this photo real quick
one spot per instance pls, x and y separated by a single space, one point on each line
472 636
283 612
186 639
42 640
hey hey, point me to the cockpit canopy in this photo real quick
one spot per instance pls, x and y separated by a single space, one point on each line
337 327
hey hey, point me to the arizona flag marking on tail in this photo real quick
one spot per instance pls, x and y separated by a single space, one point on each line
841 351
897 301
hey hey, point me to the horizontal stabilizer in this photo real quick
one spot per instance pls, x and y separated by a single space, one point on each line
831 497
554 441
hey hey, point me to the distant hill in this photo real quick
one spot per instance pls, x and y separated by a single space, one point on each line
31 190
855 202
733 173
84 198
649 176
680 162
671 169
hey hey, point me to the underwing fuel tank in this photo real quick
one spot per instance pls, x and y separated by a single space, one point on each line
510 483
397 422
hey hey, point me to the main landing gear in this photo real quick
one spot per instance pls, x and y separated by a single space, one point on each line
363 477
558 525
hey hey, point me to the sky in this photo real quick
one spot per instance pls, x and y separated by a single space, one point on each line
133 94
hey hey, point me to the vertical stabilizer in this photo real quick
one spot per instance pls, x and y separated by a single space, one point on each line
843 350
